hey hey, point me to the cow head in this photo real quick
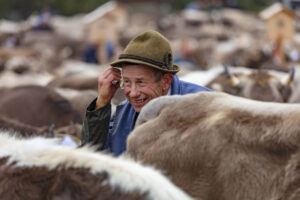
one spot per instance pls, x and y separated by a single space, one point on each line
257 85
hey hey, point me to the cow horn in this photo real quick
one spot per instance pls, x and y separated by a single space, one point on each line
52 130
288 79
234 81
292 73
226 70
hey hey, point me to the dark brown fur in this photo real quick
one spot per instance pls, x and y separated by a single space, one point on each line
25 130
61 183
38 168
15 126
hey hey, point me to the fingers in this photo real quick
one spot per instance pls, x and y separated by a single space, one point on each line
116 76
112 74
114 82
117 69
108 83
110 77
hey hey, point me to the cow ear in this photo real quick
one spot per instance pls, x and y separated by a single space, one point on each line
287 80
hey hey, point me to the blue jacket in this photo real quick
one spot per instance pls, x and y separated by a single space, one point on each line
123 120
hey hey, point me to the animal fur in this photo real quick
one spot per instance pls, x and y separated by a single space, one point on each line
38 168
218 146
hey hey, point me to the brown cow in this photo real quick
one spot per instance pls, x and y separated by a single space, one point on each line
217 146
16 126
75 81
37 106
258 85
25 130
38 168
79 99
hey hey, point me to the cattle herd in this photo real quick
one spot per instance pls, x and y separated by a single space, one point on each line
239 142
207 145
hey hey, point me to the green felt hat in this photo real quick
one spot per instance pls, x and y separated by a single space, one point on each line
151 49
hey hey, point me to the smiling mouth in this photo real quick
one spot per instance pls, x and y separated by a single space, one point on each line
139 101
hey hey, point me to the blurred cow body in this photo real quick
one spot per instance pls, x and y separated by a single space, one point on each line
256 84
218 146
38 168
37 106
15 126
79 99
24 130
75 81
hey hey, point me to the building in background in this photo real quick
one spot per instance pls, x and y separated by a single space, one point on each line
280 27
103 26
292 4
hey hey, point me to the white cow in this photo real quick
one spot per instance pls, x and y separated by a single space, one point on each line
39 168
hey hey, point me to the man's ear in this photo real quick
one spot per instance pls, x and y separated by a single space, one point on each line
166 81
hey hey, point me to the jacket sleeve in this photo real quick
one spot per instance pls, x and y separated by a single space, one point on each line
96 125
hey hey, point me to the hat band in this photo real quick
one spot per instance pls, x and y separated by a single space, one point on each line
147 60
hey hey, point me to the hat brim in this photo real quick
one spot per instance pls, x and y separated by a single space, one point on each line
119 62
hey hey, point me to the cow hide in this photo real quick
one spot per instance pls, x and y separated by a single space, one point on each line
38 168
37 106
218 146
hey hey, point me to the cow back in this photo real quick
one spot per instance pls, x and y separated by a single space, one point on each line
217 146
37 106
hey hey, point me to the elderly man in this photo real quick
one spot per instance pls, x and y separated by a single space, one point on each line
147 72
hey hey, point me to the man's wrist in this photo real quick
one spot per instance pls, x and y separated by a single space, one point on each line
99 104
92 106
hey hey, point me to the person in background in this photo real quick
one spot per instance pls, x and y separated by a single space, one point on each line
147 72
42 21
90 54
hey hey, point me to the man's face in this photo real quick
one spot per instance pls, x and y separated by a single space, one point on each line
140 85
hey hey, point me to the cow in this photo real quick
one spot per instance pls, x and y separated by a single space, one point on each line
38 168
79 99
37 106
218 146
9 79
16 126
258 84
75 81
72 131
295 98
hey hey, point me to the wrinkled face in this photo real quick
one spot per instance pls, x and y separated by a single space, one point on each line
140 85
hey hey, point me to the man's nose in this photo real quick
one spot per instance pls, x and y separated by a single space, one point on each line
134 91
